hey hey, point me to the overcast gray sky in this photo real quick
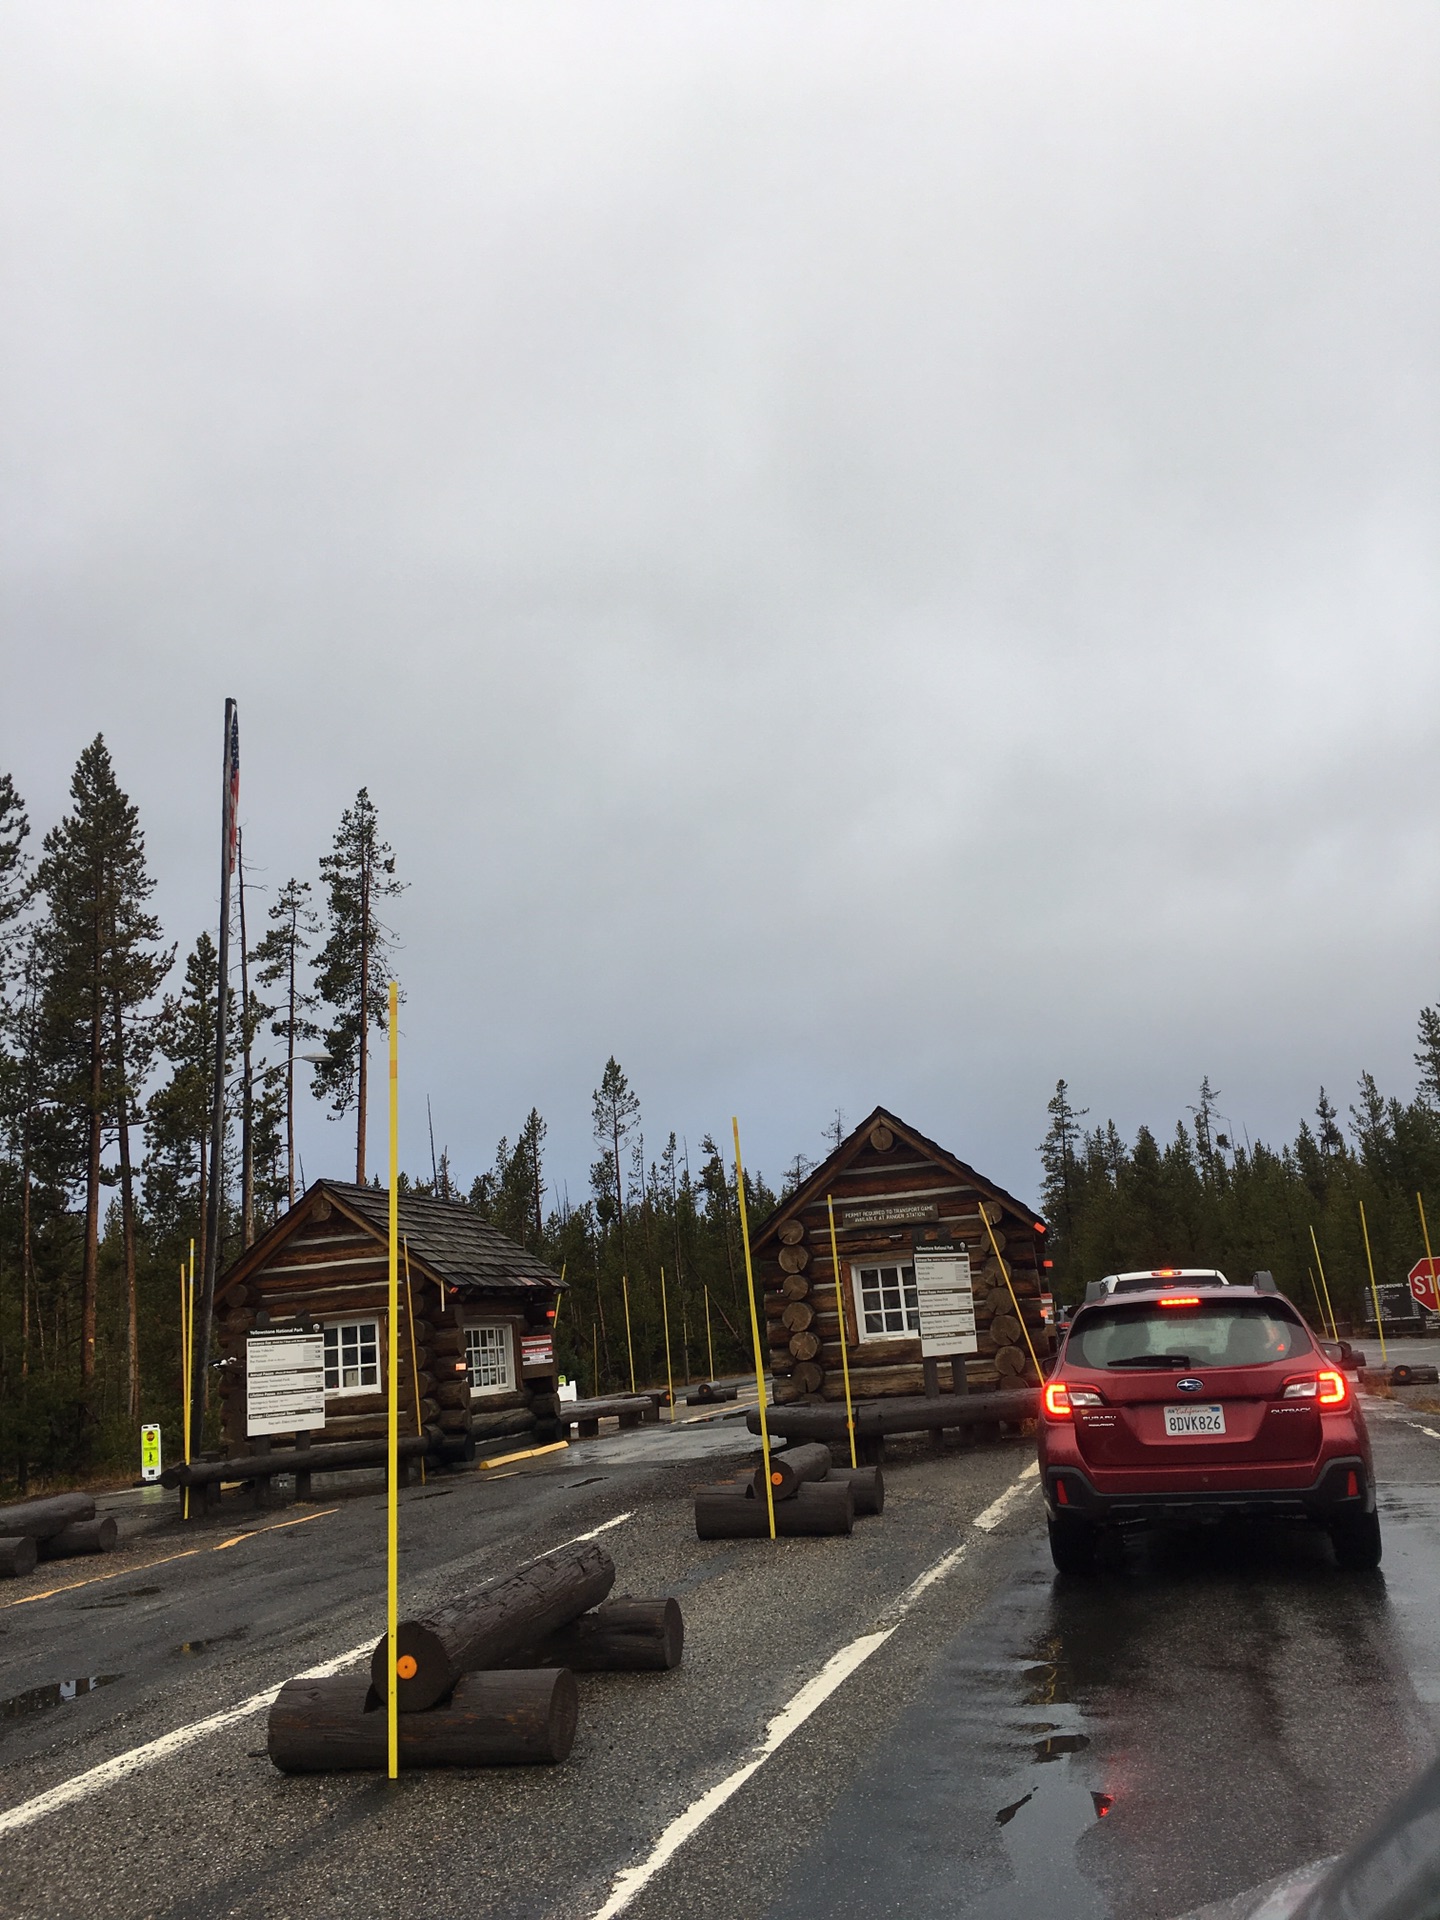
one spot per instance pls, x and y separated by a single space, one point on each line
864 552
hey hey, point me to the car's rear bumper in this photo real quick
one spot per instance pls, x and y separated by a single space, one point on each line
1343 1485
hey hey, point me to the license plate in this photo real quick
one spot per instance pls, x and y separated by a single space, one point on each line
1184 1423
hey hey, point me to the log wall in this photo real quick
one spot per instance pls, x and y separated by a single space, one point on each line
807 1318
333 1270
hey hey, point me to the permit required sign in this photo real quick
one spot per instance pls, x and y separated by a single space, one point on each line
284 1383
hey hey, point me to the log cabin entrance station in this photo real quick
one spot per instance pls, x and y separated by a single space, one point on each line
482 1359
922 1303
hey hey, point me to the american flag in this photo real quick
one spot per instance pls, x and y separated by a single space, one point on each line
234 781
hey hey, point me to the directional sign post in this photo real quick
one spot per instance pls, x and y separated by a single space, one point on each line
1424 1280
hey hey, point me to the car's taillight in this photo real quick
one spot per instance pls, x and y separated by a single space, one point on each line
1061 1398
1180 1300
1327 1389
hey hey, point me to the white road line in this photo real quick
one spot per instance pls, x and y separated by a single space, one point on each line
1431 1431
797 1710
138 1758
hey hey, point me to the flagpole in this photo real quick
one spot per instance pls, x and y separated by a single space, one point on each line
229 797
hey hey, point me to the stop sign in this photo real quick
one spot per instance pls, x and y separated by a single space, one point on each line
1425 1283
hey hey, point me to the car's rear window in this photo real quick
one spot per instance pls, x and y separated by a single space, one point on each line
1217 1333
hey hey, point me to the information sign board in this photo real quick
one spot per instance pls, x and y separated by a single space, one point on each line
150 1462
284 1383
946 1300
537 1350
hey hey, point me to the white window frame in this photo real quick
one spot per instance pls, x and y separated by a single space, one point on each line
505 1346
339 1328
909 1307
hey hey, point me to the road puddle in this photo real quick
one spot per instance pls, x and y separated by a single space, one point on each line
20 1706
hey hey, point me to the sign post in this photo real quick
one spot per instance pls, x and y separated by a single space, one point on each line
150 1453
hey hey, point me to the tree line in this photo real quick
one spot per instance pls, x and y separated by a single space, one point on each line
1207 1198
107 1062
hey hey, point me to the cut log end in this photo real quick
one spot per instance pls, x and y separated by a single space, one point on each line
17 1556
81 1536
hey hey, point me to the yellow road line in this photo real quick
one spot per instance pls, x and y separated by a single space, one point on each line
250 1535
96 1578
189 1553
530 1453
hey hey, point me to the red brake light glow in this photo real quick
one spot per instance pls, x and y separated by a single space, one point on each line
1057 1401
1181 1300
1333 1390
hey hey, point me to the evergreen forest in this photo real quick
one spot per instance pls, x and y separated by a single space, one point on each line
107 1081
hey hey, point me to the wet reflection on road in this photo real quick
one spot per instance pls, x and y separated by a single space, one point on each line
1214 1709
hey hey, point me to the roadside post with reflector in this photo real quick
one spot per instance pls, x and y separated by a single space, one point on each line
150 1453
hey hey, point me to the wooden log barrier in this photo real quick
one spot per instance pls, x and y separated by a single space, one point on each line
18 1555
493 1623
333 1458
81 1536
40 1518
821 1506
901 1414
790 1469
866 1483
623 1636
517 1718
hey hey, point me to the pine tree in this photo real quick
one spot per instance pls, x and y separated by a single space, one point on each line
279 958
178 1114
616 1114
100 967
353 967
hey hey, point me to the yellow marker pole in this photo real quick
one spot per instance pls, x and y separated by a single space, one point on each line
1005 1275
595 1357
1314 1288
392 1462
1425 1234
185 1383
669 1375
629 1344
1374 1290
754 1329
709 1337
844 1343
414 1357
1325 1285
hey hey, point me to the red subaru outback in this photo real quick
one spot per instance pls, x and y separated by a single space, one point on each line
1172 1405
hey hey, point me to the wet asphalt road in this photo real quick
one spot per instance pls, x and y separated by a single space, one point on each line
1216 1710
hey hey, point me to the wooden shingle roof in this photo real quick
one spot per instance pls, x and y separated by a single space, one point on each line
451 1239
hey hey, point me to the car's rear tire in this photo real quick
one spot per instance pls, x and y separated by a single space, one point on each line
1357 1542
1073 1545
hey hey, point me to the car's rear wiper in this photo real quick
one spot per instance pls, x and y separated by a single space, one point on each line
1151 1360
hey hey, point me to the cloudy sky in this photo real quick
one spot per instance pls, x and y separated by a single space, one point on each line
865 552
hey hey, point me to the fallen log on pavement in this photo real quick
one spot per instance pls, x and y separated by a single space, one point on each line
709 1390
623 1636
866 1483
790 1469
509 1719
81 1536
820 1507
493 1623
17 1556
41 1518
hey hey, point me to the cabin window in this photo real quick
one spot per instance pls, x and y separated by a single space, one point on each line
888 1302
352 1357
487 1359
